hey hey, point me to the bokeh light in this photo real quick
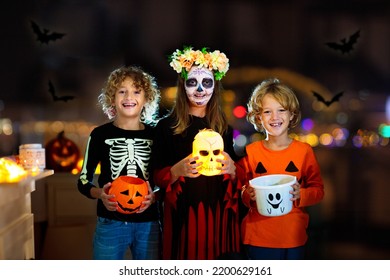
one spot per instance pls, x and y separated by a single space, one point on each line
326 139
307 124
312 139
340 136
357 141
240 140
236 133
384 130
239 112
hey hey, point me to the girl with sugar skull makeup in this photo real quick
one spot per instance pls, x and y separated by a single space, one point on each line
201 218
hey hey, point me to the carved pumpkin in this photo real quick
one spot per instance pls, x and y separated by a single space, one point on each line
208 145
62 154
129 193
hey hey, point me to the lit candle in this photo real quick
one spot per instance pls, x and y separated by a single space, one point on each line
32 157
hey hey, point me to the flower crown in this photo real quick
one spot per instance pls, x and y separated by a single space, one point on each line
182 61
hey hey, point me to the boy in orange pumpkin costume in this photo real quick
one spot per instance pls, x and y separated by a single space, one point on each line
274 108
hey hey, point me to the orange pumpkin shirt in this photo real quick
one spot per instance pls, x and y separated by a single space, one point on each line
287 231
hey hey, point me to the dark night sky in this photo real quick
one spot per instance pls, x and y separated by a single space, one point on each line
101 35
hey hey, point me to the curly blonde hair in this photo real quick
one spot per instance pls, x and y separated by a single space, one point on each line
282 93
142 80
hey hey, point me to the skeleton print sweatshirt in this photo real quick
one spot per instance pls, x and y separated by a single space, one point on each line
119 152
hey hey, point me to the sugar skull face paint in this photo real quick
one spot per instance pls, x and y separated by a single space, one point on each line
199 86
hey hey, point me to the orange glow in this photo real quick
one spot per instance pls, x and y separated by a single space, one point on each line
79 166
10 171
326 139
312 139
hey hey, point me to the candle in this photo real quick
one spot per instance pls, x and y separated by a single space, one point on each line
32 157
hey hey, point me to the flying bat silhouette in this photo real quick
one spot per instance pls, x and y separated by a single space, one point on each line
345 46
320 98
52 91
45 36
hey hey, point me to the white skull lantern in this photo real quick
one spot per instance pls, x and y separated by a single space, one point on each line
208 145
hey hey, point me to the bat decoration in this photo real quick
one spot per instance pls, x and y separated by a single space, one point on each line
345 45
45 36
64 98
320 98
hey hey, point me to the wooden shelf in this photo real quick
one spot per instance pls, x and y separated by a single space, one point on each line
16 218
29 178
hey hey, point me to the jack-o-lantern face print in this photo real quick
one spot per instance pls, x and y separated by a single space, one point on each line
208 146
129 193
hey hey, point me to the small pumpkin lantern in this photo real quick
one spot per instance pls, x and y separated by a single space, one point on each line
62 154
129 193
208 145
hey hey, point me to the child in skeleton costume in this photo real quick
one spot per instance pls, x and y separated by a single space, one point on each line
200 212
274 108
123 147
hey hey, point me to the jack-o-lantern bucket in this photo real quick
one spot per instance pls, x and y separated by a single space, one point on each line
273 196
129 193
208 146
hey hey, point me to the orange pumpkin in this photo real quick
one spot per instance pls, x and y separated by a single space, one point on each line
129 193
62 154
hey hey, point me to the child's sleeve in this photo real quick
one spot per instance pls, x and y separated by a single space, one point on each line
85 181
244 175
312 188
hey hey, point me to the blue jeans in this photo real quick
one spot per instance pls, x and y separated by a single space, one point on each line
112 239
262 253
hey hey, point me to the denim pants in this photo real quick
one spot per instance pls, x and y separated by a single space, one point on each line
262 253
113 238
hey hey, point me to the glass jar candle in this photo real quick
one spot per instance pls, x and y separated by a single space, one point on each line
32 157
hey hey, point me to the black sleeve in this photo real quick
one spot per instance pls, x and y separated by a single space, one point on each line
162 146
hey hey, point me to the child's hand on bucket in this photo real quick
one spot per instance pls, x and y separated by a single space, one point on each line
296 192
252 193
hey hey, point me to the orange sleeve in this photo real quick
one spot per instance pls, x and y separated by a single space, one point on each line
242 173
313 188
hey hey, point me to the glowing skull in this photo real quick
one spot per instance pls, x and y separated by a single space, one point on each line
208 145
